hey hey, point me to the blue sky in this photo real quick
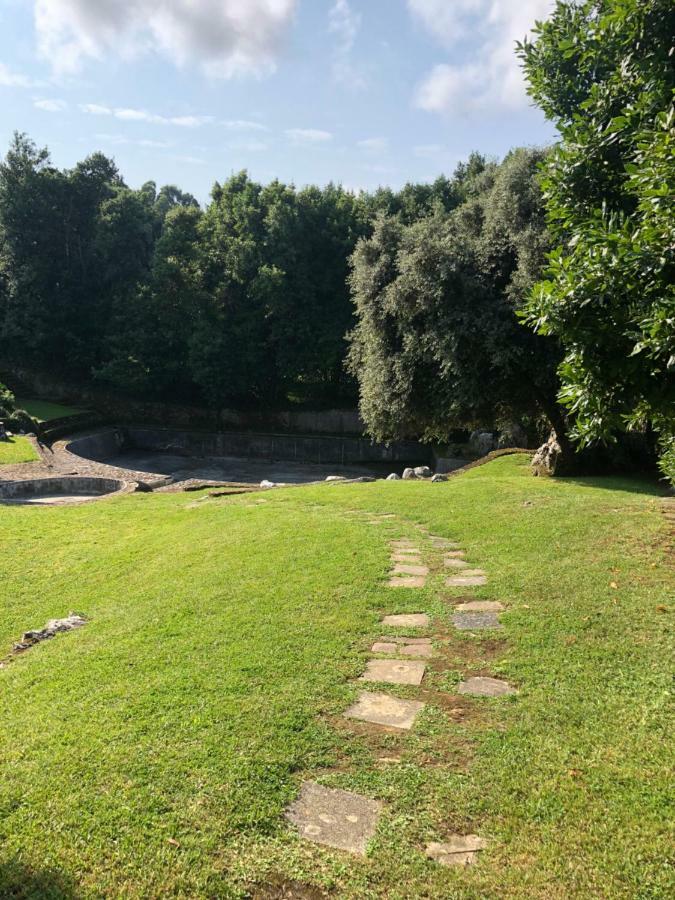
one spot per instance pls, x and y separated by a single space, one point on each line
362 92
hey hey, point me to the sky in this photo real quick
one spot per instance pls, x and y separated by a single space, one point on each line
186 92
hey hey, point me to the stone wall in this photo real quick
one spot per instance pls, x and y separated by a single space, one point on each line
125 410
62 485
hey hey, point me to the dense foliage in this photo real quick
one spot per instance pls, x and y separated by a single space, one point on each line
244 302
437 342
604 72
11 417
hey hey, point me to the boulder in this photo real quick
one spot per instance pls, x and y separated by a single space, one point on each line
335 478
266 484
438 478
393 477
423 472
548 458
481 442
409 474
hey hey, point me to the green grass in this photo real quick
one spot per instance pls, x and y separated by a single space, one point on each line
152 752
44 410
16 450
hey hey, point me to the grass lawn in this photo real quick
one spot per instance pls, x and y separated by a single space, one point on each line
16 450
152 752
44 410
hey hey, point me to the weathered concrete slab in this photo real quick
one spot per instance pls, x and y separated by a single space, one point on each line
470 573
402 543
455 554
466 580
453 563
485 687
407 569
459 850
411 558
335 818
383 709
409 581
394 671
419 650
442 542
384 647
475 621
407 620
480 606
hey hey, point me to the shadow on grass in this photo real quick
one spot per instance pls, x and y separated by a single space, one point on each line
21 882
630 484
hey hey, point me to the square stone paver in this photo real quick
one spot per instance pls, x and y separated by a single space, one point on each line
485 687
406 569
469 573
409 581
455 554
408 558
394 671
384 647
480 606
420 650
335 818
453 563
466 580
403 544
475 621
383 709
443 542
459 850
407 620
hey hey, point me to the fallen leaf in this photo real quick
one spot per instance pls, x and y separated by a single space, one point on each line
173 842
661 608
614 585
571 639
575 773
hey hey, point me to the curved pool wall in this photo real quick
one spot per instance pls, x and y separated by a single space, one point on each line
64 486
109 442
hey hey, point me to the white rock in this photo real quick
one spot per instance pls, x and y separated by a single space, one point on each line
266 484
423 472
393 477
409 474
438 478
335 478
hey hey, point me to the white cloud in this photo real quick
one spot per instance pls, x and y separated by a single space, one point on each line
496 81
248 146
308 135
50 105
345 24
123 139
8 78
127 114
244 125
224 37
191 160
374 145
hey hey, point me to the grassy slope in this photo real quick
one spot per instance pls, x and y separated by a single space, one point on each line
44 410
212 675
16 450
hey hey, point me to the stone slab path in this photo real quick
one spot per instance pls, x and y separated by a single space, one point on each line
394 671
459 850
407 620
383 709
335 818
475 621
466 581
480 606
481 686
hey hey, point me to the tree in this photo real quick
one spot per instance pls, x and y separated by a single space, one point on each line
437 344
602 70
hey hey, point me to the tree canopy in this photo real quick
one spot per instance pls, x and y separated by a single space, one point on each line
603 72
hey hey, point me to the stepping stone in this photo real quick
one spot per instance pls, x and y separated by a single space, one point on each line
459 850
469 573
455 563
402 543
480 606
443 542
406 557
410 570
407 551
466 580
409 640
485 687
407 620
475 621
423 650
384 647
454 554
394 671
412 581
335 818
383 709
